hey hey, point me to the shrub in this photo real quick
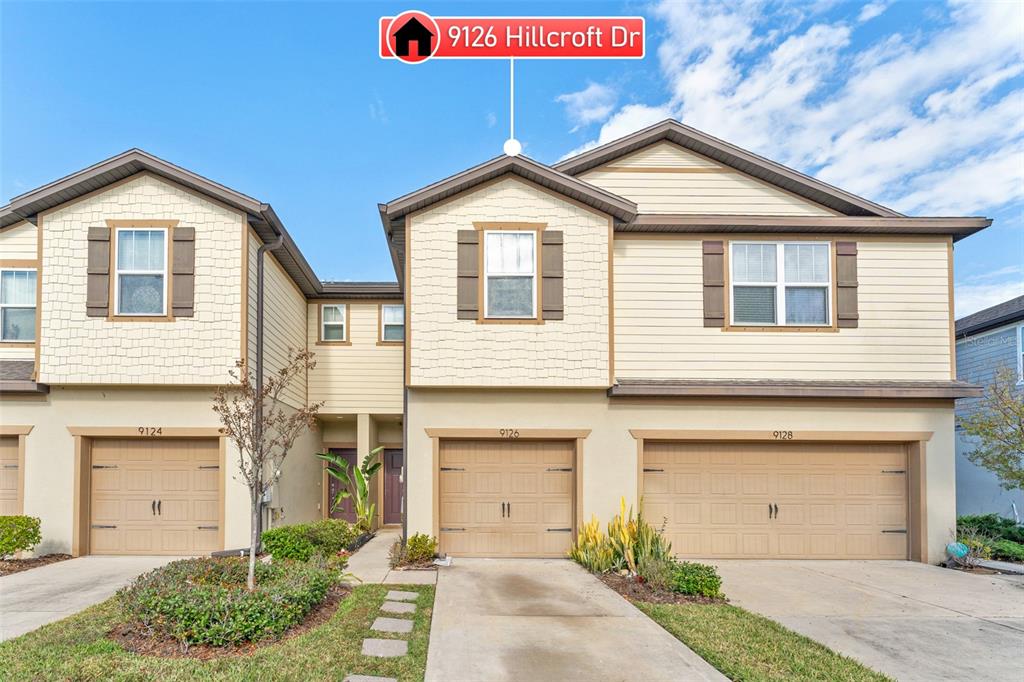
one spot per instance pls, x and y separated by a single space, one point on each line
978 544
420 550
18 534
658 573
302 540
1008 550
993 526
630 541
696 579
205 601
592 550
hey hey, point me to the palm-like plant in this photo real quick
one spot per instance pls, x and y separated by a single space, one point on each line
355 484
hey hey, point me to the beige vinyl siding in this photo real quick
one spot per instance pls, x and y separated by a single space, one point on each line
681 181
363 377
903 332
19 242
284 320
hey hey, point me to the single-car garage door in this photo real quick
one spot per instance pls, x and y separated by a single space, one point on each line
506 498
157 496
10 505
774 500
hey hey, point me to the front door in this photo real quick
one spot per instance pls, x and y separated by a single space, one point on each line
393 491
345 509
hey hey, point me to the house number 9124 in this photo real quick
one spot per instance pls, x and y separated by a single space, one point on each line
511 434
782 435
151 430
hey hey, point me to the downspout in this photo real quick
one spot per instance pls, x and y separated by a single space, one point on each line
258 417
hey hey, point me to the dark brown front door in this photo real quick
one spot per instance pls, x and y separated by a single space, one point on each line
345 510
393 461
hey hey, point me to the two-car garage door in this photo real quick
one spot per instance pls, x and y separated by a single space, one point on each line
779 500
154 496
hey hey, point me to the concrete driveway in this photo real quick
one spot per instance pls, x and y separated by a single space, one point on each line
33 598
537 619
908 620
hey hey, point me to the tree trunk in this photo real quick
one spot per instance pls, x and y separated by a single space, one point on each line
251 580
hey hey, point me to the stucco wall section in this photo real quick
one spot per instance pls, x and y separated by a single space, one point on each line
903 330
446 351
362 377
19 242
666 178
76 349
610 452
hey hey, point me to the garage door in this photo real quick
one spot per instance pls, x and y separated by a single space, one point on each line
506 499
818 501
9 504
154 496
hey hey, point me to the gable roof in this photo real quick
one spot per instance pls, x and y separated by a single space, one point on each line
1006 312
729 154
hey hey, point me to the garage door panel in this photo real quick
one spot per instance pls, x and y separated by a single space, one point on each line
755 484
756 544
206 511
175 480
486 483
755 513
556 514
524 483
557 482
724 483
135 480
656 483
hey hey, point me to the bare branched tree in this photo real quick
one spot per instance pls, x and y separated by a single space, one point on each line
998 424
263 430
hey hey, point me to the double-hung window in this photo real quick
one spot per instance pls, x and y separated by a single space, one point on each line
140 286
392 323
510 274
332 322
781 283
18 305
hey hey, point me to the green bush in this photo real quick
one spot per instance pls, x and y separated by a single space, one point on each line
302 540
993 526
1008 550
205 601
696 579
420 550
657 572
18 534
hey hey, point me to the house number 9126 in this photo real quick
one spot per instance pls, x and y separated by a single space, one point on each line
782 435
511 434
151 430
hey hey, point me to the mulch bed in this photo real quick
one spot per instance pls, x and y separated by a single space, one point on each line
632 589
134 638
9 566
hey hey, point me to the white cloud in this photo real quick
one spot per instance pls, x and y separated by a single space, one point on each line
929 122
970 298
377 110
871 10
491 119
592 104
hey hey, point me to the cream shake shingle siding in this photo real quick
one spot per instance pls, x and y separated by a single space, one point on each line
76 349
447 351
903 332
706 187
363 377
19 242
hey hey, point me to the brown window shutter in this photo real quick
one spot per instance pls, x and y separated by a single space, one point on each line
551 270
183 271
97 297
469 275
846 285
714 283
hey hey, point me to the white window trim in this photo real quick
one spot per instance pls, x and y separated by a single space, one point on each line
118 272
780 286
384 325
324 324
532 275
19 306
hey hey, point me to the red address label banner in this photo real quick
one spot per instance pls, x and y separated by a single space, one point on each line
415 37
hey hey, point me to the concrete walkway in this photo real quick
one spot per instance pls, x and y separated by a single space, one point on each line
371 565
33 598
546 619
908 620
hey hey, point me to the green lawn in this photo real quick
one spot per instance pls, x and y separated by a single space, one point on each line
746 646
76 648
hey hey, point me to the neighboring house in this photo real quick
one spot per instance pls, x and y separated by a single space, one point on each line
763 361
986 342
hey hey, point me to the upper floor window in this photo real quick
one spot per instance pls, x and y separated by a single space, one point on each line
775 283
18 305
392 322
510 283
140 286
333 319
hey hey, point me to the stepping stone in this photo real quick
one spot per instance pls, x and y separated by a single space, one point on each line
385 648
398 607
392 625
368 678
399 595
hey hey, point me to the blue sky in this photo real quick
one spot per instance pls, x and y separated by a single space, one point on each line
917 105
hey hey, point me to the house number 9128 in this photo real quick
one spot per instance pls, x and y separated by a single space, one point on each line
151 430
782 435
511 434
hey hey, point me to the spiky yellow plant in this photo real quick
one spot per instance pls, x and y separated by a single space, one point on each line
592 549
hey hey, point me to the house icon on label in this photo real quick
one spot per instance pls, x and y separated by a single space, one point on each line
412 31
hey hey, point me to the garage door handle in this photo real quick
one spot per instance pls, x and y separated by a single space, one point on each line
159 504
98 526
152 506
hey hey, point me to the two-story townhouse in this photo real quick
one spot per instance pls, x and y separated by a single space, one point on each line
130 291
987 342
759 360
